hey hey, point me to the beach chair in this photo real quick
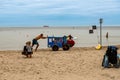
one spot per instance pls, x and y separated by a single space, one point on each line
111 58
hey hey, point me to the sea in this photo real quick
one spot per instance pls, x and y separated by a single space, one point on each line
14 38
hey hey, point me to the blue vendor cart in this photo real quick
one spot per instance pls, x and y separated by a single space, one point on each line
58 42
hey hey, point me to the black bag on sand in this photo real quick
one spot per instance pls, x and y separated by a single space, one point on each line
112 54
24 52
111 57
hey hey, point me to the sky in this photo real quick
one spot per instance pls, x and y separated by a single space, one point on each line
35 13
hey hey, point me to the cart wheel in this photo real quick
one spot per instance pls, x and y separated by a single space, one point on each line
55 48
66 47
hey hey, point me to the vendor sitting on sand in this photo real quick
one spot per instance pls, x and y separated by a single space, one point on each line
70 40
35 42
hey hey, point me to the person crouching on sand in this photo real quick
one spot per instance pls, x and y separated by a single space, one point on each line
35 40
28 49
70 41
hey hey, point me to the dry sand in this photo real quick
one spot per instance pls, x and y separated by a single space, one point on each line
75 64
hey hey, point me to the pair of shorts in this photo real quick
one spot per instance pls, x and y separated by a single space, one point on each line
34 41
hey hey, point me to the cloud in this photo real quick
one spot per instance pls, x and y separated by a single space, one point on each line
41 7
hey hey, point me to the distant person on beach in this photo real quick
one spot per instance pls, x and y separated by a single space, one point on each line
27 50
35 40
107 35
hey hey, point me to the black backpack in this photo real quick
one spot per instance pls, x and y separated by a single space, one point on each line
24 52
111 52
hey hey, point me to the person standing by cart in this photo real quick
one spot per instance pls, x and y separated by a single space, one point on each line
35 40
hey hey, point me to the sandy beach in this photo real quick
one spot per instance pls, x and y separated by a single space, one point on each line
76 64
82 62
